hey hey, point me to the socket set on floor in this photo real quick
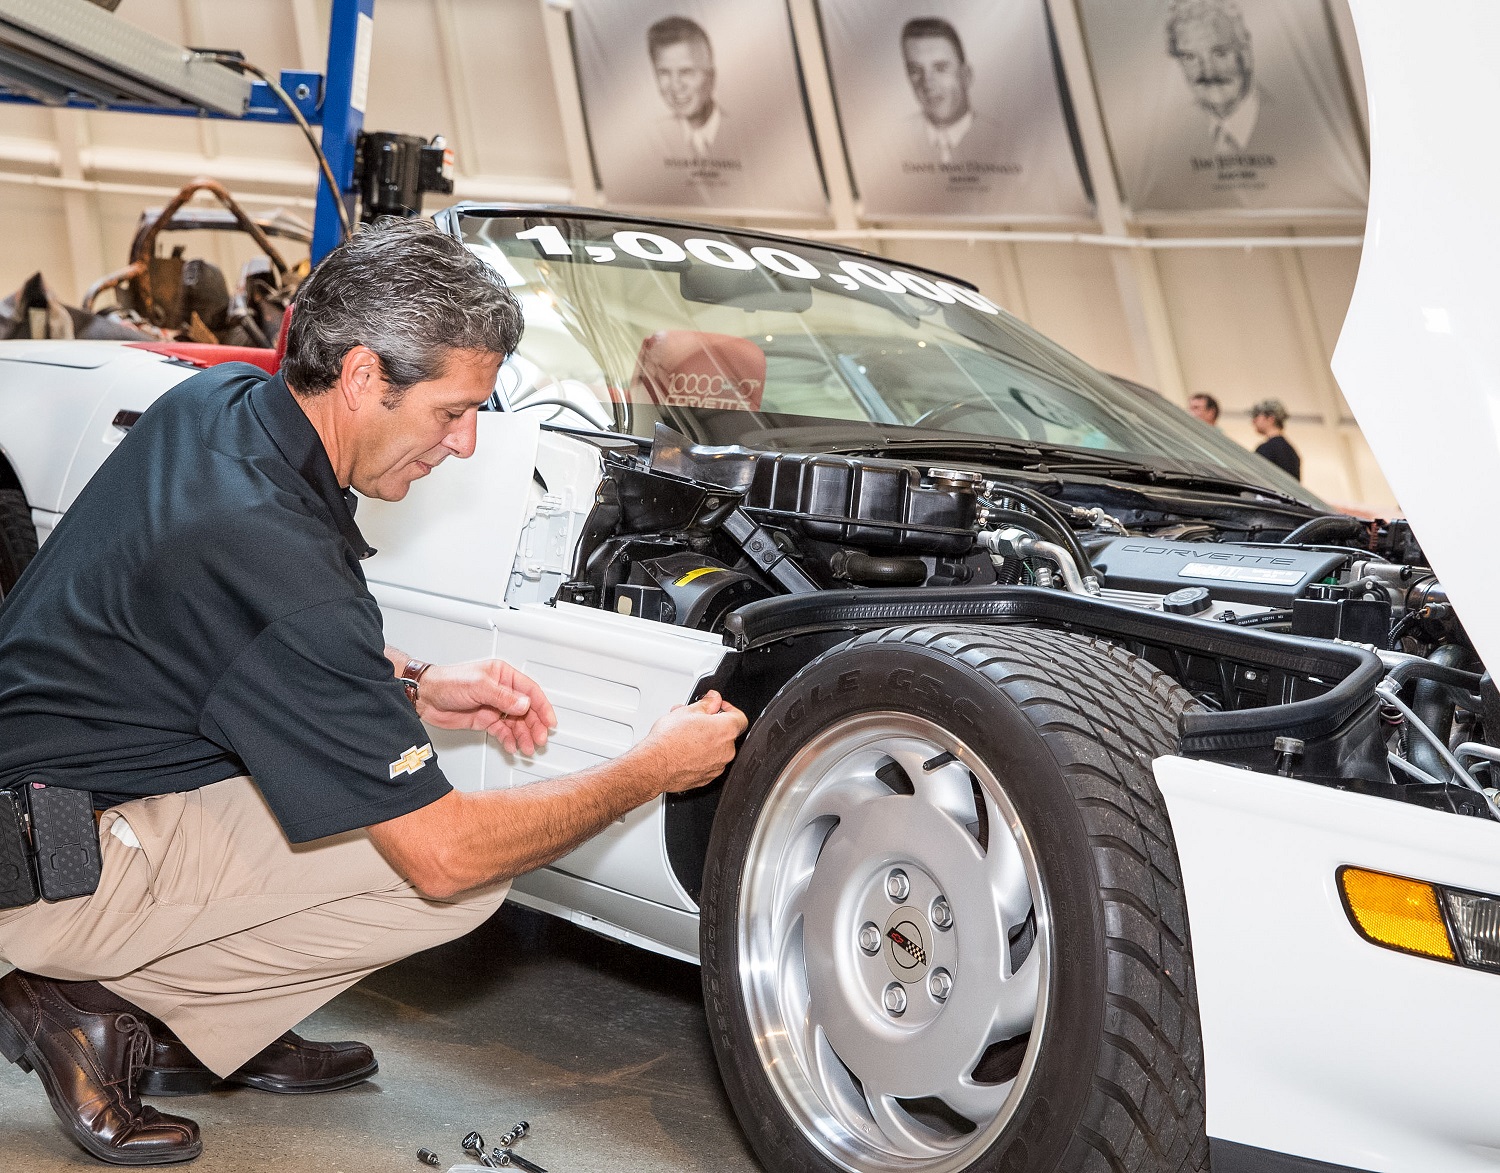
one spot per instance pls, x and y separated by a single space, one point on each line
499 1156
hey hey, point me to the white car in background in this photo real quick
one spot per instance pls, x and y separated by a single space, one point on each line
1108 802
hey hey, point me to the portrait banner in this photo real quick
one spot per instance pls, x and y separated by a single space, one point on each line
696 104
953 108
1227 105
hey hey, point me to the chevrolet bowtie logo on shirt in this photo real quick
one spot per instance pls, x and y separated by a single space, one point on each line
412 760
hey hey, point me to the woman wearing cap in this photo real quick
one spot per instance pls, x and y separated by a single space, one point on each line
1268 417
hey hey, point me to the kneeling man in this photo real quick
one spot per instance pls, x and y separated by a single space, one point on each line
195 647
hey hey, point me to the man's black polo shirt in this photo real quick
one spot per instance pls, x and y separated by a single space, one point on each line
200 612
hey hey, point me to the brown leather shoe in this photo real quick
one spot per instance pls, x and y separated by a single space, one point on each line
170 1068
291 1065
87 1047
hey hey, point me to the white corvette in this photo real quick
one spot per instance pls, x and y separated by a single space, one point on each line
1108 803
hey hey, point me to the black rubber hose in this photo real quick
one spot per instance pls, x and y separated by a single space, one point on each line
1039 525
1417 669
1008 573
1489 707
1433 705
1049 510
1321 528
872 570
1264 619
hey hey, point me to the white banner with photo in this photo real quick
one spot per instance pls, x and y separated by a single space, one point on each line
953 108
696 104
1215 105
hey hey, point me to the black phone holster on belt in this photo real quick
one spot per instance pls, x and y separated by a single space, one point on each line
49 844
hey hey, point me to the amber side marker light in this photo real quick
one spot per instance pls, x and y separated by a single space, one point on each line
1424 919
1401 914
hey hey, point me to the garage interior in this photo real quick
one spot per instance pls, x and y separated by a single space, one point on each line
497 79
600 1046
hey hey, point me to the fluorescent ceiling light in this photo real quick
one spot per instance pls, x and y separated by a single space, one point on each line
55 50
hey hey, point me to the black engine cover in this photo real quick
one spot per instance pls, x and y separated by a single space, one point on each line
1271 576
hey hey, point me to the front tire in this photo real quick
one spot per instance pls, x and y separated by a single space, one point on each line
18 544
943 926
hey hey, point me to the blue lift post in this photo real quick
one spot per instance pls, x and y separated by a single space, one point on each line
335 100
350 34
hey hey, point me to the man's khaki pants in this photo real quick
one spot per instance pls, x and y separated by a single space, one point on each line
224 930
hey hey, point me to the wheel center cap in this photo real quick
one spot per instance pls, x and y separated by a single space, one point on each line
907 938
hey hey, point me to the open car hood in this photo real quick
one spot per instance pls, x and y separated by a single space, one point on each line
1419 356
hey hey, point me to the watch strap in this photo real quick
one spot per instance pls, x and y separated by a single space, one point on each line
411 678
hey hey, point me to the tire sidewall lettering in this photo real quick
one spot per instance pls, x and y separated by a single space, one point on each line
957 706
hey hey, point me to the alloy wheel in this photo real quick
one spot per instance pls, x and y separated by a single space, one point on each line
894 946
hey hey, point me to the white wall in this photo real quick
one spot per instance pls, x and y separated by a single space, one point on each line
1243 325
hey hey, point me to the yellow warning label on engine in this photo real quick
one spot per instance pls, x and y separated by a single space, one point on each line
699 573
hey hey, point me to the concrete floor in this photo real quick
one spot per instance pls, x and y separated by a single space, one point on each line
603 1048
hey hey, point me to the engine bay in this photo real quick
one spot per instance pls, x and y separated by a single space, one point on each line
696 536
687 532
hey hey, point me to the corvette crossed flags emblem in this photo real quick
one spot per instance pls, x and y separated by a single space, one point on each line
901 939
412 760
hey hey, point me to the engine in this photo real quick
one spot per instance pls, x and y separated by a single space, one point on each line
689 534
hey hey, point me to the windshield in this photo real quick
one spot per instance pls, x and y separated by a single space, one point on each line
733 338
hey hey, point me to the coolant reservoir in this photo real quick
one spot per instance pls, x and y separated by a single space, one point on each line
859 501
875 504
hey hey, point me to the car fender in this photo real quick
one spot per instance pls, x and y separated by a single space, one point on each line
50 397
1316 1042
609 678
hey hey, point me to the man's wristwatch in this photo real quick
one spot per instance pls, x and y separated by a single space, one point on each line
411 678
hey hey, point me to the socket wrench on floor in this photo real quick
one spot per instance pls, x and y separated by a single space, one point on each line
499 1158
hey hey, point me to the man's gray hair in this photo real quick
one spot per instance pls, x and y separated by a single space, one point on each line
408 291
1192 11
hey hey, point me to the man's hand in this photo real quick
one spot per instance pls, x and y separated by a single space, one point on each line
692 744
491 696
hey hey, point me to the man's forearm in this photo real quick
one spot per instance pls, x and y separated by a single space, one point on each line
558 814
465 840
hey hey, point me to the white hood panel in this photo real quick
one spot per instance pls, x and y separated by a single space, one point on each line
1419 357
